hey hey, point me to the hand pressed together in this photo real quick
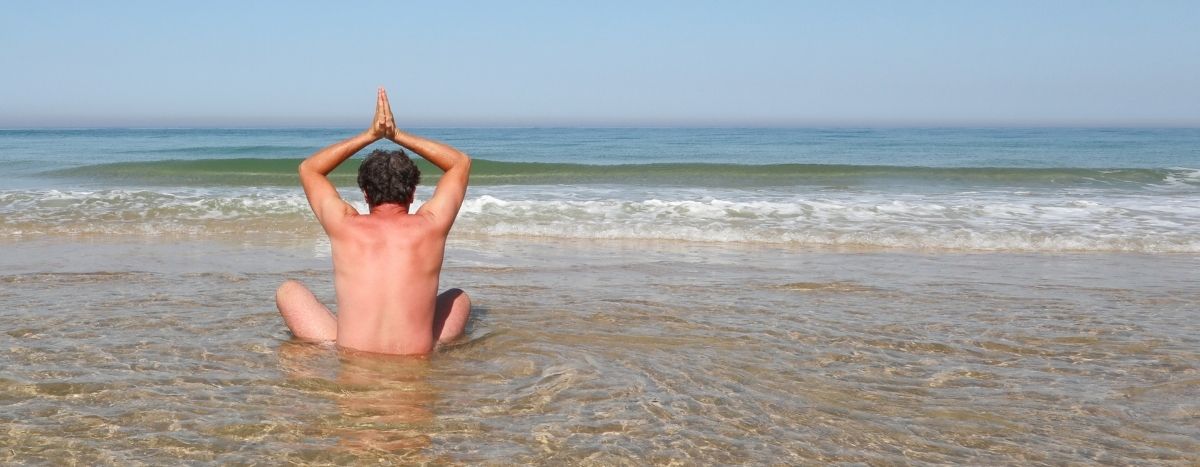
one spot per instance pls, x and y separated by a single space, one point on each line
384 125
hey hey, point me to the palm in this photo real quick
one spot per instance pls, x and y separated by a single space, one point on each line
383 125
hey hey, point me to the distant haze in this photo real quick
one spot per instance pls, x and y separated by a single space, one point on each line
694 63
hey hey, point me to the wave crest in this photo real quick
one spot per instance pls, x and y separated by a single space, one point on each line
249 172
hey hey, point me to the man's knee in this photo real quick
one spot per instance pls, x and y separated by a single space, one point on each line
288 289
457 297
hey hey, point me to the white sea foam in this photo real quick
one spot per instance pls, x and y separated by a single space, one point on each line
1181 177
980 221
947 222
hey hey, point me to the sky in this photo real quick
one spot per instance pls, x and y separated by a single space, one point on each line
611 63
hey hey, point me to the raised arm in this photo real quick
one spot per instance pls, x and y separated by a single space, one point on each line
452 188
322 195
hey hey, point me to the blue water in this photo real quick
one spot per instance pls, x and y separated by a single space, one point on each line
32 150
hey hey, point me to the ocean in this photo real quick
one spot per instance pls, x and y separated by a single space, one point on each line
646 296
970 190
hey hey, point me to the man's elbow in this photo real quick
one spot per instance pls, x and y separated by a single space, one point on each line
306 169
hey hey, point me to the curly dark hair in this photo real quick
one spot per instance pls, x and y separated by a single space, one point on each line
388 177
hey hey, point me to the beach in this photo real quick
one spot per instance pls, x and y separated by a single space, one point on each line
756 296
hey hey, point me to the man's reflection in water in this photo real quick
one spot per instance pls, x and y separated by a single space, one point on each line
385 400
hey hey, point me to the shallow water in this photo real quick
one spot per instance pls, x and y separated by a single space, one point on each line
156 352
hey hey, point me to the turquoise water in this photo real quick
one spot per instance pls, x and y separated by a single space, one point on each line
281 172
967 189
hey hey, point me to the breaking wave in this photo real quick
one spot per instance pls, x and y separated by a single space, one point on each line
252 172
972 221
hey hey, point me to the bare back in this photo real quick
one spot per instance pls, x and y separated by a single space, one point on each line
386 267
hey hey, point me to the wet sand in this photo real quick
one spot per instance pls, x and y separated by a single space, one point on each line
146 351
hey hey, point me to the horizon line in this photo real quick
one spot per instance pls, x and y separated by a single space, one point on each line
930 126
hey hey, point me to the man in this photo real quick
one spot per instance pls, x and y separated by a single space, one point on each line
386 263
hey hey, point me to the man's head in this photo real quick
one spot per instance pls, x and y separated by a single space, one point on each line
388 177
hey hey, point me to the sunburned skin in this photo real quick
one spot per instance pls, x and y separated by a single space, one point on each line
386 263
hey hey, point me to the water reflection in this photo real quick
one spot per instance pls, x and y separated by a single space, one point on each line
384 402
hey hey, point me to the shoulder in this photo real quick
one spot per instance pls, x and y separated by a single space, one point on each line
339 216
